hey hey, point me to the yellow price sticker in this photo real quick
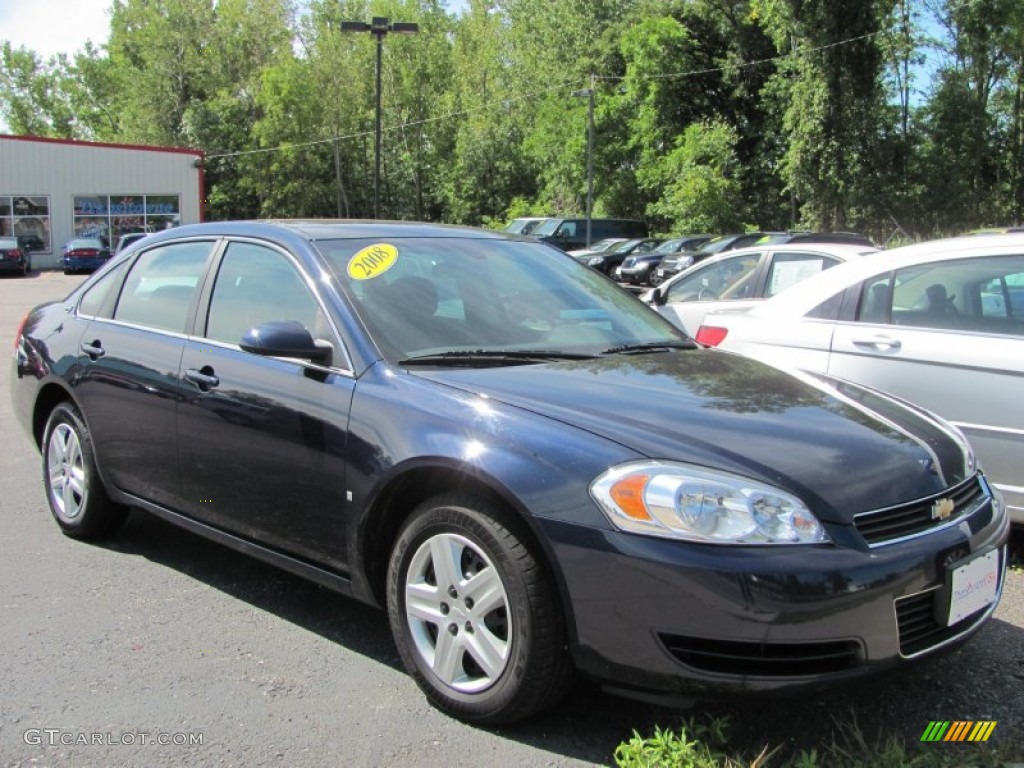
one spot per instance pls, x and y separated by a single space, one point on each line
372 261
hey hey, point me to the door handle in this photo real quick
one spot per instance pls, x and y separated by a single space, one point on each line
202 377
94 349
879 343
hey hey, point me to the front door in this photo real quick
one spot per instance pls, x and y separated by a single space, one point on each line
262 440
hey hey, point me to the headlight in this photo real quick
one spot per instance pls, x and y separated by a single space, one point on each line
596 261
679 501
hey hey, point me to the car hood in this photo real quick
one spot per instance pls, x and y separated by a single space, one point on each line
840 447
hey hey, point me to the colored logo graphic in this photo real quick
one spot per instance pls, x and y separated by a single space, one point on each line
958 730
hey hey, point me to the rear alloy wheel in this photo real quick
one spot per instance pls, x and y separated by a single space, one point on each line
77 499
474 614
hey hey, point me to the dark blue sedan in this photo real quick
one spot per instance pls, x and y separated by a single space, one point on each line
535 474
84 254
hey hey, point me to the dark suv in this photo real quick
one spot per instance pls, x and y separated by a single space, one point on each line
568 234
672 265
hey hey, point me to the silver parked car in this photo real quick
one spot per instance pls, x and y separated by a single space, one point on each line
740 279
940 324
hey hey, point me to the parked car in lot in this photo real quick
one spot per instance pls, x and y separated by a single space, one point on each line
940 324
740 279
532 471
571 234
599 247
637 269
804 238
84 254
13 257
673 265
127 239
609 260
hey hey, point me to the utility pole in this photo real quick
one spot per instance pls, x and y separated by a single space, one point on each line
589 94
379 28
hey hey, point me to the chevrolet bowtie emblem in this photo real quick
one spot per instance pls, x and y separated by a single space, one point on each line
942 509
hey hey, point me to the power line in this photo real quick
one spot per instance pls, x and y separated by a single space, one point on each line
535 94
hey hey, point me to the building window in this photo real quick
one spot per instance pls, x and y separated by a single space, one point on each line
110 216
27 218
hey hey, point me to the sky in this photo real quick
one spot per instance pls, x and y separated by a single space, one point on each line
62 26
54 26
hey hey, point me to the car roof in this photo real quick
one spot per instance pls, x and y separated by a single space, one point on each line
281 230
804 296
842 251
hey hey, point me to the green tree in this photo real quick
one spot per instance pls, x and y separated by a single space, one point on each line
830 82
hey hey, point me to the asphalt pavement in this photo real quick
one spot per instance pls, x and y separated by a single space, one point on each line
160 648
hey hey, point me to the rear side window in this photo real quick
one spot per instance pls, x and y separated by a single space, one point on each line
97 297
791 268
161 285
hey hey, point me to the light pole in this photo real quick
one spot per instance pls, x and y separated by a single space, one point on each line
589 93
379 28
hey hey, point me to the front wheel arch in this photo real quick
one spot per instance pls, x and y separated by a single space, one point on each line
396 500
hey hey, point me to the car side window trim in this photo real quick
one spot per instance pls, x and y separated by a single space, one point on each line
133 262
199 331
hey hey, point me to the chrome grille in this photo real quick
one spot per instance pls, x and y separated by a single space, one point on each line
885 525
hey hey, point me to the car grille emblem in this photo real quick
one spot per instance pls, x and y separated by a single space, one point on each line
942 509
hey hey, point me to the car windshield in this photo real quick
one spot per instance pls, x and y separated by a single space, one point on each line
670 246
547 227
423 297
624 246
604 245
715 244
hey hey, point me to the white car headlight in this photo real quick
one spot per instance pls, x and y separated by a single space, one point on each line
596 260
680 501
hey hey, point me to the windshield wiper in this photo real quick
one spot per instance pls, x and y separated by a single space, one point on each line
469 357
651 346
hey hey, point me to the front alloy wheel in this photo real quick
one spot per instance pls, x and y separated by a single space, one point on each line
458 613
474 613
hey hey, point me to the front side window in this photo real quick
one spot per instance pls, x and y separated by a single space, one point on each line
982 295
731 278
161 285
256 284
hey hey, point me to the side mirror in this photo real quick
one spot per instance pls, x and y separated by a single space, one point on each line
284 338
658 298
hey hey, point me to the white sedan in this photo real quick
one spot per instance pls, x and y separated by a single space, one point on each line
741 278
939 323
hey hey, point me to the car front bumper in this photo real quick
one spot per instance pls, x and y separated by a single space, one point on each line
662 618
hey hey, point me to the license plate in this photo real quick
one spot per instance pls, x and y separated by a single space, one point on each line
973 586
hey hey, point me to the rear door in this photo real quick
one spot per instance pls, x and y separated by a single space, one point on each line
129 388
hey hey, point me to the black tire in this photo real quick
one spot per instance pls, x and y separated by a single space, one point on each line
523 628
78 501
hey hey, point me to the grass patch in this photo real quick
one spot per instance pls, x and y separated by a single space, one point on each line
705 745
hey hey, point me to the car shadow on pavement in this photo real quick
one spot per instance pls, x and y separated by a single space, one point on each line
981 680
